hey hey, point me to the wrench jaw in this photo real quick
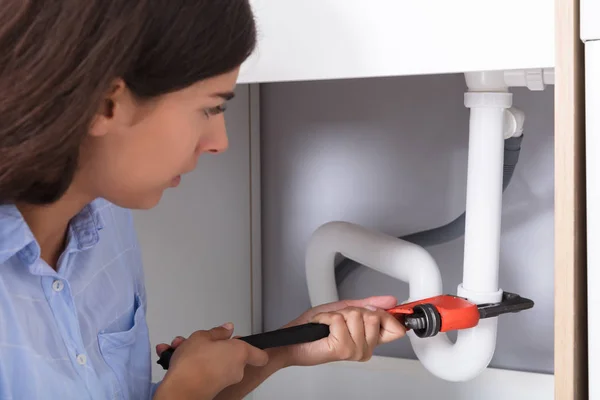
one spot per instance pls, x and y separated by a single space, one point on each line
445 313
425 321
511 303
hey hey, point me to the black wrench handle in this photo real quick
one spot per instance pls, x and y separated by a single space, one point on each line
282 337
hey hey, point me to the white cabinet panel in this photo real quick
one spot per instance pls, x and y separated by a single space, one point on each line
325 39
590 29
196 244
391 378
592 100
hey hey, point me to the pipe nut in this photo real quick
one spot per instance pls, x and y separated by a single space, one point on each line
488 100
479 297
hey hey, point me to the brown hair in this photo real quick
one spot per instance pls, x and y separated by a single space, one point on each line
58 58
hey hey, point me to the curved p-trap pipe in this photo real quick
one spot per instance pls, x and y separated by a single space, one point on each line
410 263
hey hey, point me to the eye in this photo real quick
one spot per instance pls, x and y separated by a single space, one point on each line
208 112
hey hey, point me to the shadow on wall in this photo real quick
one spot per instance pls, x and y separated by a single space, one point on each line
391 154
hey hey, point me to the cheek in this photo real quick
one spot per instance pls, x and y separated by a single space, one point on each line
132 167
170 144
147 156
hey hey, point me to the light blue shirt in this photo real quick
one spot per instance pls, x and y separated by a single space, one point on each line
79 333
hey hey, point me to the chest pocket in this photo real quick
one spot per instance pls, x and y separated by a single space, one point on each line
127 353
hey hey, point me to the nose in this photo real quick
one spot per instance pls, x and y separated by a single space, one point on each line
216 141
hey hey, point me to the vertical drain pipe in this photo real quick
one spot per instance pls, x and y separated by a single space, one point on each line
484 190
488 99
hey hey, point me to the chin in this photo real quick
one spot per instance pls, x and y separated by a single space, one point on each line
149 202
146 202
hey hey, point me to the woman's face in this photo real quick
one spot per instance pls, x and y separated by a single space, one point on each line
135 151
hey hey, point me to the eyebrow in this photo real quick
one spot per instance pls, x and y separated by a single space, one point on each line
225 95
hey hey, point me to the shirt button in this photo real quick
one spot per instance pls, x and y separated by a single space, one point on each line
58 285
81 359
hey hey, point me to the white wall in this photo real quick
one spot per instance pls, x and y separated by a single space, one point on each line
391 154
196 244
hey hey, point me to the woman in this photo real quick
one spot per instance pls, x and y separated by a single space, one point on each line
105 104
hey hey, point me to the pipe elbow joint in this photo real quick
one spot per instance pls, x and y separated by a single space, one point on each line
387 254
473 350
460 361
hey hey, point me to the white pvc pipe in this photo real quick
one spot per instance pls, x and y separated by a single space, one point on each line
499 81
484 191
474 347
391 256
409 263
486 81
534 78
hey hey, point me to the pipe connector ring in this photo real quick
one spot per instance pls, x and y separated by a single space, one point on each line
479 297
488 100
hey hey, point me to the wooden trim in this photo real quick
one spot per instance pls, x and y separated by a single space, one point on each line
255 208
570 341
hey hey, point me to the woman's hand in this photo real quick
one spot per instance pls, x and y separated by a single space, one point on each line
209 361
206 363
356 327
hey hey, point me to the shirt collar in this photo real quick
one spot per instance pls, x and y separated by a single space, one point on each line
17 238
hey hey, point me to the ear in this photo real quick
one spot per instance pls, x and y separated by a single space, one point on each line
116 108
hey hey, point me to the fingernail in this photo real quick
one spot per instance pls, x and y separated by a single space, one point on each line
228 326
371 308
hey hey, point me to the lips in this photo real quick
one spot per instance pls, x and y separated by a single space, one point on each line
176 181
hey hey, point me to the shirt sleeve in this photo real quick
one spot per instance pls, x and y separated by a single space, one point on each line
153 389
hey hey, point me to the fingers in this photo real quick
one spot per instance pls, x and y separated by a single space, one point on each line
355 332
252 355
355 321
387 326
255 356
340 341
391 328
174 344
382 302
222 332
372 332
177 341
160 348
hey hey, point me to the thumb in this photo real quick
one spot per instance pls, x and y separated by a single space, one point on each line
390 328
377 302
222 332
382 302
